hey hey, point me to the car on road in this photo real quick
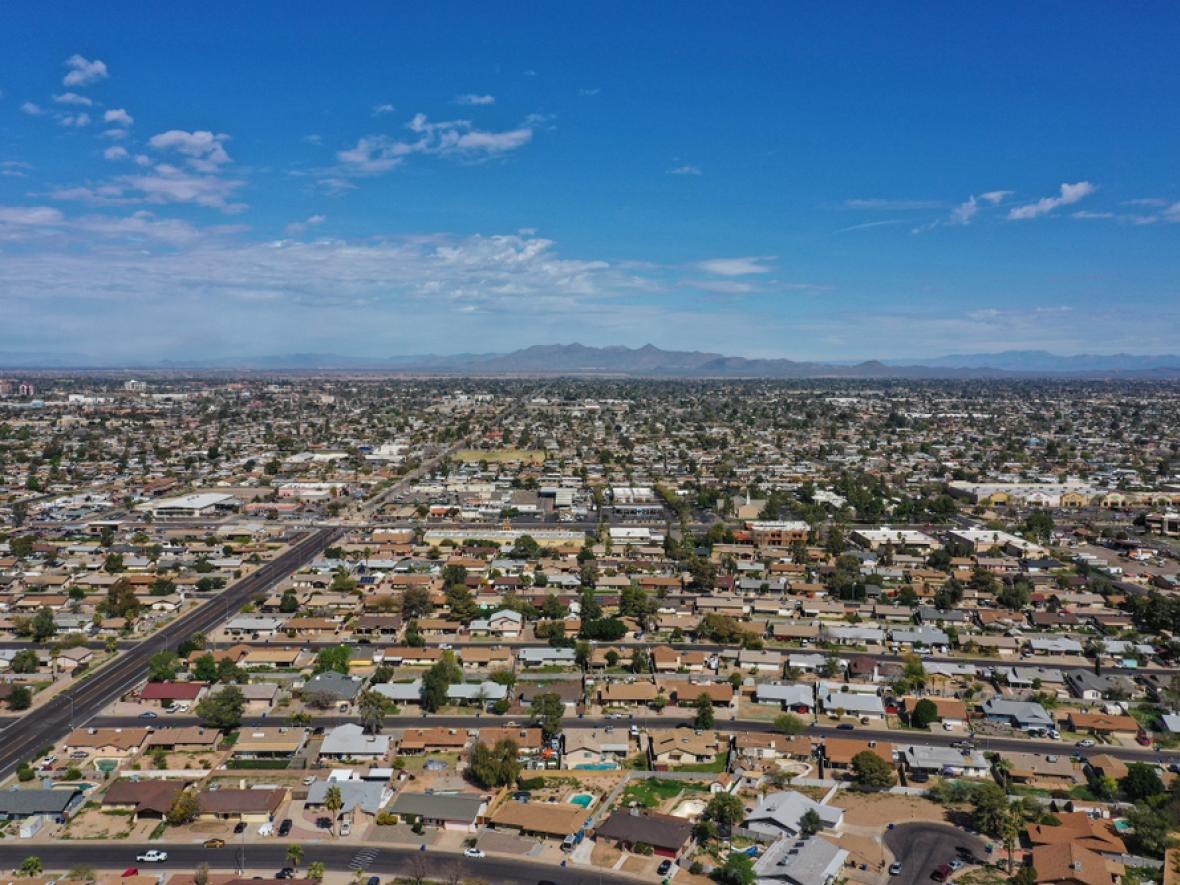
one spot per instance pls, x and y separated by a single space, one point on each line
895 868
152 856
845 726
148 714
285 827
664 868
1085 742
214 843
474 852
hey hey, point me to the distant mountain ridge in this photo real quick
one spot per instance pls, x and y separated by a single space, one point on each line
651 362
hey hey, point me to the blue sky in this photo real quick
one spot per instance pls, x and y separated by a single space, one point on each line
838 181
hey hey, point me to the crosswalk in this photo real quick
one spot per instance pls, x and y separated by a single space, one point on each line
363 859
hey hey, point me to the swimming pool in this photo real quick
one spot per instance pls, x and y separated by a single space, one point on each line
583 799
597 766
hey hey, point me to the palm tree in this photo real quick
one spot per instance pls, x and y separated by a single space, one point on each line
295 855
333 802
315 870
32 866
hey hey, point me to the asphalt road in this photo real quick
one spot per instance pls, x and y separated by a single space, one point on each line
53 720
270 857
859 732
923 846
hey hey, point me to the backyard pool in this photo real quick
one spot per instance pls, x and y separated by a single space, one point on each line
583 799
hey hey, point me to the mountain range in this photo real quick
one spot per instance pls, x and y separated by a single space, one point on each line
650 361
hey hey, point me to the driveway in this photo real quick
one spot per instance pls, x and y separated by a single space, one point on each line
923 846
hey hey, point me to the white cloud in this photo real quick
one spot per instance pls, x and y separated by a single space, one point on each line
73 98
473 99
118 116
1082 213
736 267
995 197
964 212
204 150
34 216
33 110
75 120
312 138
375 154
381 109
298 227
686 169
1069 194
165 183
118 152
83 72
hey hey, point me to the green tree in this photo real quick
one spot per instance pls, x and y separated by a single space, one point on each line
333 803
289 602
789 724
738 869
810 823
205 669
1141 782
223 709
333 659
416 603
548 708
989 809
21 697
871 772
316 870
31 866
295 855
493 767
42 626
704 716
162 667
925 712
373 707
725 809
1024 876
24 661
184 808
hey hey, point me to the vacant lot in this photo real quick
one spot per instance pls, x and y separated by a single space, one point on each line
877 809
499 456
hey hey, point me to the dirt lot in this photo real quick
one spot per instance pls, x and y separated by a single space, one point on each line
875 809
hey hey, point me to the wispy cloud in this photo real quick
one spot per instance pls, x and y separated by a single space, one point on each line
1068 195
299 227
204 150
686 169
736 267
472 99
893 205
32 109
118 116
589 92
382 109
869 224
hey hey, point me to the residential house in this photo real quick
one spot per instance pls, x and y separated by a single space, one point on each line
812 861
351 742
779 814
462 812
667 836
255 805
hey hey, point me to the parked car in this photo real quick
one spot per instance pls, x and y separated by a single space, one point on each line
895 868
239 828
941 872
473 852
130 871
152 856
285 873
664 868
346 828
285 827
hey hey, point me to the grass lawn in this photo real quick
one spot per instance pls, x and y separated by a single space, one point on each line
1083 793
715 767
651 792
